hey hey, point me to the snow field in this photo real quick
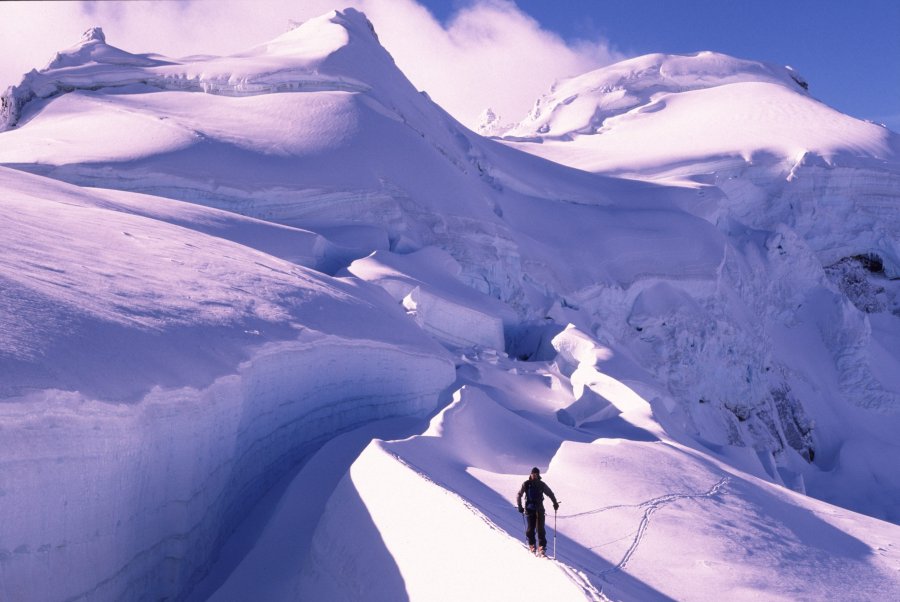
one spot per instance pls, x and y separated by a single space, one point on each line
738 123
640 117
160 374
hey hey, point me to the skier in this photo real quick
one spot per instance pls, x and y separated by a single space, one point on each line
534 489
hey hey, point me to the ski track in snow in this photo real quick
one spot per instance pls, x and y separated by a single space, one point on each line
579 577
649 507
576 575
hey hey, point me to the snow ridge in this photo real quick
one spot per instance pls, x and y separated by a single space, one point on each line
296 61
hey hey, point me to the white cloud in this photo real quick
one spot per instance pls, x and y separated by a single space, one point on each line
488 54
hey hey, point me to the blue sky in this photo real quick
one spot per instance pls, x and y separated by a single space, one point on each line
849 50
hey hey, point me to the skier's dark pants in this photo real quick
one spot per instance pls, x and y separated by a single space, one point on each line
536 519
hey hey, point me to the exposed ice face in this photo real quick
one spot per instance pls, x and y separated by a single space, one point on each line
427 284
861 279
491 124
93 34
140 498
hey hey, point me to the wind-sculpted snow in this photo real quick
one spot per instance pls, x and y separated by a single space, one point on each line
637 515
154 278
158 377
797 190
321 158
426 283
418 561
295 61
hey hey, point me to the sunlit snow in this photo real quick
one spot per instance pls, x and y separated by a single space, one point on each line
275 326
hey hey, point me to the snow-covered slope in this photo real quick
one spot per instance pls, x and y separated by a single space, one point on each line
623 533
213 265
158 376
658 112
642 517
311 138
746 133
806 196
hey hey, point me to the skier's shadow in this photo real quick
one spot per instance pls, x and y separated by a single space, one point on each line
349 559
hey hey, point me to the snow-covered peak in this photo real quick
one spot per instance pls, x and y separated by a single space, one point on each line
338 50
312 39
93 34
657 114
582 103
91 50
678 73
314 44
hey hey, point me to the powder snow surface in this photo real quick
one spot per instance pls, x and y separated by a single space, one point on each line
275 326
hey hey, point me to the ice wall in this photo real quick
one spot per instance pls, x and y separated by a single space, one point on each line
428 284
102 501
839 210
817 218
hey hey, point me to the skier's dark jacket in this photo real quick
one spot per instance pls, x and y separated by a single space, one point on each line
534 490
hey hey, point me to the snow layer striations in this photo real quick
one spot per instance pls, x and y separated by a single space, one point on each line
157 377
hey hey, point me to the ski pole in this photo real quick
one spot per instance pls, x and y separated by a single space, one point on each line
524 523
554 532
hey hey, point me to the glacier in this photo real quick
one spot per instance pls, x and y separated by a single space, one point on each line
275 324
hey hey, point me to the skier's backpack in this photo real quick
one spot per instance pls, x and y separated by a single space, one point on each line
534 495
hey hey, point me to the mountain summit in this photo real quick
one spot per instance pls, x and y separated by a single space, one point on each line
581 104
655 113
331 50
748 133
